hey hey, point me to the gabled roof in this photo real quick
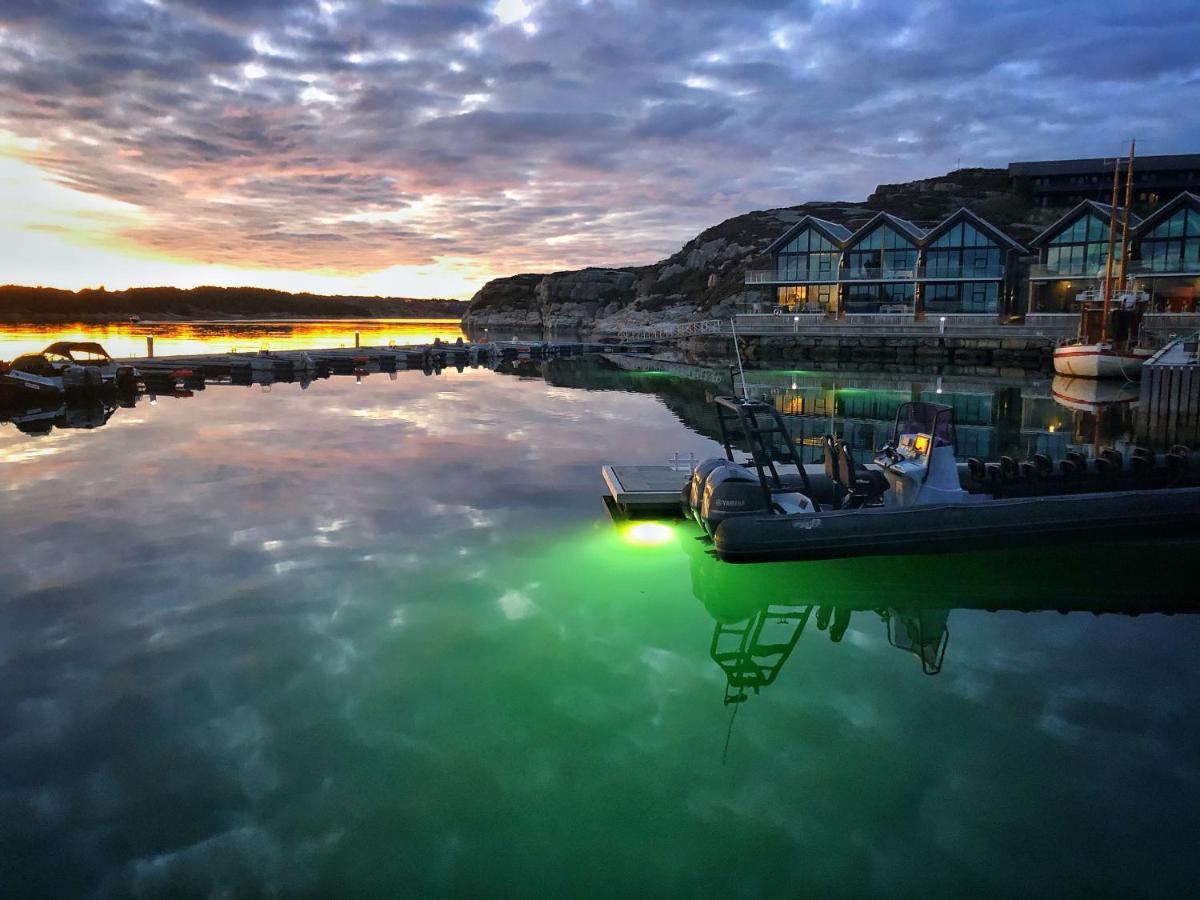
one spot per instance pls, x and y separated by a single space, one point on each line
1101 209
839 234
1182 199
979 222
915 233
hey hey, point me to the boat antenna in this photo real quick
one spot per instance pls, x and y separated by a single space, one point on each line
737 350
1125 214
1108 263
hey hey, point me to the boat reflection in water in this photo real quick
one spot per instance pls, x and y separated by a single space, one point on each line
761 612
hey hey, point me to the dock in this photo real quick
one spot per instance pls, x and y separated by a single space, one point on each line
646 491
1169 398
264 367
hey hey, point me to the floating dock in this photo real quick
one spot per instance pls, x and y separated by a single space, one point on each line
291 365
644 491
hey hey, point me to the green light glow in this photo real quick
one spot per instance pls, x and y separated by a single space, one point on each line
648 534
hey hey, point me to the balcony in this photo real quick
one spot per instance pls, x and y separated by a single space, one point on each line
1142 267
879 274
960 273
774 276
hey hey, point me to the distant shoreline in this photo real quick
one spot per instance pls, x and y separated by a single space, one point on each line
64 319
42 305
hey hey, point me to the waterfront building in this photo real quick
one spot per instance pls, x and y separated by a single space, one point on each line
880 274
1072 256
1164 257
1065 182
806 261
891 266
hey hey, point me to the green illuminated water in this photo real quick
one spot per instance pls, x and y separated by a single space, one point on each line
381 638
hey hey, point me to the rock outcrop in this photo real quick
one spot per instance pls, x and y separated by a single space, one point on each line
706 277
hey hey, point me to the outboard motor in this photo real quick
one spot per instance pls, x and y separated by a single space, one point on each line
730 490
693 492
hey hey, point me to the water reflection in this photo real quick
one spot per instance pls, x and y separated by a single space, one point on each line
761 612
123 339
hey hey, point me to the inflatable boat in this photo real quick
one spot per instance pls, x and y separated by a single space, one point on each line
915 497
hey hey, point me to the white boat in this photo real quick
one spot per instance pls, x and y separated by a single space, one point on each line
1110 321
1100 361
1091 394
65 367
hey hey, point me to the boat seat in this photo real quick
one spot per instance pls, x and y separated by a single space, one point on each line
1115 459
1078 459
1044 464
1030 472
863 485
977 469
1071 475
1008 466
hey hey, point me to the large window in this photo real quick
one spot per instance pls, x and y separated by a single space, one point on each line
809 256
963 252
880 298
1081 248
965 297
883 248
808 298
1174 244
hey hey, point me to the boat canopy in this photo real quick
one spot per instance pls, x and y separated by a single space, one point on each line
76 351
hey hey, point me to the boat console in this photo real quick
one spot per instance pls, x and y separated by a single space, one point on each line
919 462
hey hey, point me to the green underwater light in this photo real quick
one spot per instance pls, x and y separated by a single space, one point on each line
648 534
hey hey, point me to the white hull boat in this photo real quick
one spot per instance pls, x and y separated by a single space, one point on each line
1100 361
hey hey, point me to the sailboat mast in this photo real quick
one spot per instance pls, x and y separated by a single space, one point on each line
1125 215
1108 264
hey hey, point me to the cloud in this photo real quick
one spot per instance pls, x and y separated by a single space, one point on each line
354 136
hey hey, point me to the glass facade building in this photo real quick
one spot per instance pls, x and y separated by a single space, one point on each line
890 266
1164 257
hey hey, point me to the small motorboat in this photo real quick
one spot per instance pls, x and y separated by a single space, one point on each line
915 497
65 368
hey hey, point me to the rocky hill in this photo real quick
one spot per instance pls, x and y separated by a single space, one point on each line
705 278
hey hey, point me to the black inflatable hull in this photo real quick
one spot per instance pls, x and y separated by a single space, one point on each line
977 526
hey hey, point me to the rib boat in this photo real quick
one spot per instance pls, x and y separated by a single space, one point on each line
915 497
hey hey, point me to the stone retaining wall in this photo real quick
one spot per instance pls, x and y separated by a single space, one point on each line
1010 352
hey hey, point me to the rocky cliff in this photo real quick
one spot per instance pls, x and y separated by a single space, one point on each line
706 277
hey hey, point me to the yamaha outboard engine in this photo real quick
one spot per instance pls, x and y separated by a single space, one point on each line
692 495
730 490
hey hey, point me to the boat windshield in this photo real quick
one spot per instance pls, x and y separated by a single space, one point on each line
919 418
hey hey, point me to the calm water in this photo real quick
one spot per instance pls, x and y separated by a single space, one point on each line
382 638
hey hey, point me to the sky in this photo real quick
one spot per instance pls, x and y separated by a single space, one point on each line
420 148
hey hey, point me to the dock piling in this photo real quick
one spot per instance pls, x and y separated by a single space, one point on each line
150 346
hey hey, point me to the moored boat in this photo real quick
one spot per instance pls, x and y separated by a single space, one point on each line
915 497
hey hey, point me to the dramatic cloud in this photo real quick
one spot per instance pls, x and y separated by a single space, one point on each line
354 136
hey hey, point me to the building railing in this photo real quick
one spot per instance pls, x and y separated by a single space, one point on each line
920 273
774 276
1142 267
868 274
960 273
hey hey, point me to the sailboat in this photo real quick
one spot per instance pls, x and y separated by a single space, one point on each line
1110 320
